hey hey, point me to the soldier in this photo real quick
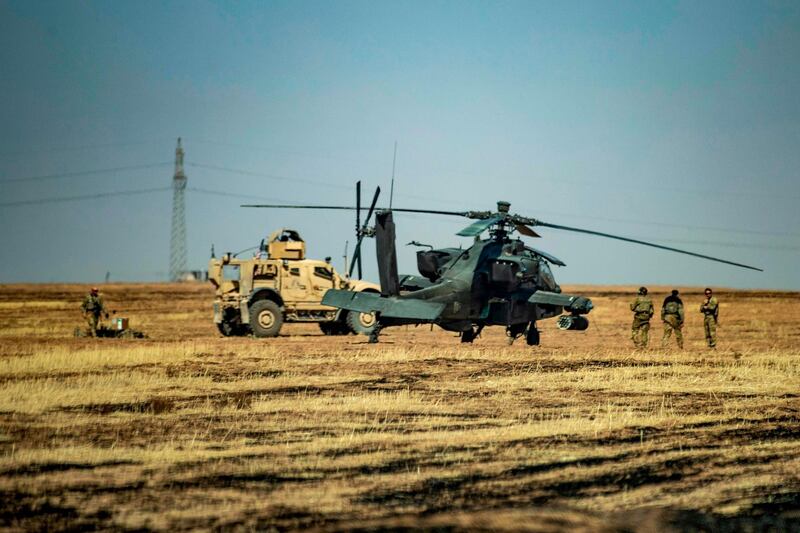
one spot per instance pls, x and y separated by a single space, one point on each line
642 309
92 308
710 310
672 316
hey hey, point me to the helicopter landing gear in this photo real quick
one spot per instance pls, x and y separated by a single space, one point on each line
471 334
514 331
532 336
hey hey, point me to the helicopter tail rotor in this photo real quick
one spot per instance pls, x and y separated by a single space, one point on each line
362 231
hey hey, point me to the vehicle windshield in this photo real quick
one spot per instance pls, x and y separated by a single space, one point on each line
230 272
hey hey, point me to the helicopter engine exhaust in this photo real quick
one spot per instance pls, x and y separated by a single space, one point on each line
573 322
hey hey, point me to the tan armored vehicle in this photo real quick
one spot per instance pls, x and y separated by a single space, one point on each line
280 285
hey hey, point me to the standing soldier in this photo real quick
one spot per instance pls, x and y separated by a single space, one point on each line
642 309
672 316
710 310
92 308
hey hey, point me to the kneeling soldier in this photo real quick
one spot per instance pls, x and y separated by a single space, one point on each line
672 316
642 309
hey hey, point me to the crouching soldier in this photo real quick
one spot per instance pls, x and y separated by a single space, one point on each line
642 309
92 307
672 316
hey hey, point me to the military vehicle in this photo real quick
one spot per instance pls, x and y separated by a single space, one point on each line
496 281
278 285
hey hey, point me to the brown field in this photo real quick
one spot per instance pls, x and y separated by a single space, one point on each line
188 430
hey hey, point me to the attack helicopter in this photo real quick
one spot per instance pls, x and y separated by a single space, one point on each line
498 280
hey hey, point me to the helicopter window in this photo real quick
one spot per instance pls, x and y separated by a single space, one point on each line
230 272
546 276
430 263
323 273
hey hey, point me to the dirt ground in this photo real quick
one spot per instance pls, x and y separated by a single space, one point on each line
190 430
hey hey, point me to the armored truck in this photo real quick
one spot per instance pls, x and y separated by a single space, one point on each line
277 285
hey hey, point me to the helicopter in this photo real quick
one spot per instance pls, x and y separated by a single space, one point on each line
499 280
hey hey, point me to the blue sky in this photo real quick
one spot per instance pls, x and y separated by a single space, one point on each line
675 122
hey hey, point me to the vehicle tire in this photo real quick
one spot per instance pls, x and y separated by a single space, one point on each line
361 323
266 318
532 337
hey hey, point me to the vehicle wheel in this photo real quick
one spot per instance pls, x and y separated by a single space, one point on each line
266 318
361 323
532 337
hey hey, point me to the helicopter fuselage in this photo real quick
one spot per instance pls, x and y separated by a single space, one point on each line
488 283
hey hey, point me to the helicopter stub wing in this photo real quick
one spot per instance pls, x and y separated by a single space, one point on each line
575 304
369 302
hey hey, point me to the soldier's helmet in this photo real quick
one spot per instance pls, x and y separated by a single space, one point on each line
642 290
94 290
674 292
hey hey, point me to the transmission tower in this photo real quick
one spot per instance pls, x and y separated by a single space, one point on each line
177 242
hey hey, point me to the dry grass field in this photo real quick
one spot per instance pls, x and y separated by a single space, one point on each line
189 430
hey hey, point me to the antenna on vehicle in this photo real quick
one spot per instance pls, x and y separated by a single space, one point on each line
391 189
345 255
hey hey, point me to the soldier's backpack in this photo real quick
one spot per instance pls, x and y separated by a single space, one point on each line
642 309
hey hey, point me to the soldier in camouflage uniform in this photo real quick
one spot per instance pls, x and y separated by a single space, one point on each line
710 310
642 309
672 316
93 307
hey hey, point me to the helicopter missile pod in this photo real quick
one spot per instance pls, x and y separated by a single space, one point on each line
498 280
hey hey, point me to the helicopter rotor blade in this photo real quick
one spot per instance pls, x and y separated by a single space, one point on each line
284 206
356 256
518 220
525 230
645 243
476 228
480 215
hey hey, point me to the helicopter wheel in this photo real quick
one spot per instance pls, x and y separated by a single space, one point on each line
468 336
514 331
532 336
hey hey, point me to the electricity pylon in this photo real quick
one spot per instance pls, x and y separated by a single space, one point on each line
177 242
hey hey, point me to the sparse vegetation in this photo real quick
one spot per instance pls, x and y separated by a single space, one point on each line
187 429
